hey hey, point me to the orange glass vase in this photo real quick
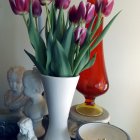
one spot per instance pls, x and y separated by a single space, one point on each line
93 82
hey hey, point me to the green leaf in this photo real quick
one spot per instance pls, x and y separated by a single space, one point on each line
98 23
40 68
46 29
59 26
67 24
90 63
98 40
47 23
91 24
52 16
36 40
60 64
66 42
101 36
72 53
82 64
50 45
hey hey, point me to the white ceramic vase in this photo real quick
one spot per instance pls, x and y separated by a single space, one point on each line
59 95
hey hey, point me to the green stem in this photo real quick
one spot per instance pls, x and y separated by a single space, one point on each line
24 18
77 49
47 13
36 23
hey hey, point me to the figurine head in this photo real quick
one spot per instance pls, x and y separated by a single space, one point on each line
14 77
32 83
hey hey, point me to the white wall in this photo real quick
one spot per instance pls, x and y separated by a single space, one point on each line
122 56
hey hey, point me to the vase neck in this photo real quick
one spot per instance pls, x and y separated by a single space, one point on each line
90 101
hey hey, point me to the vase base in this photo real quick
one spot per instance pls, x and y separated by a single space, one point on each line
89 110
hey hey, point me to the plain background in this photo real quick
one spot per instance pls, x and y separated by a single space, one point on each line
122 57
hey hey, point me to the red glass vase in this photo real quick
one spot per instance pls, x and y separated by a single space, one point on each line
93 82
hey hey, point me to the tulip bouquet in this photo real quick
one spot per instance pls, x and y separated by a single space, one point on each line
66 50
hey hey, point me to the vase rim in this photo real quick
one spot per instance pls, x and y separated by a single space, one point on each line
55 77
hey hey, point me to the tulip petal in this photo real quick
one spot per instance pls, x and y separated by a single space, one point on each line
19 4
73 14
36 7
80 35
27 5
77 34
83 36
108 8
62 4
90 12
13 6
81 10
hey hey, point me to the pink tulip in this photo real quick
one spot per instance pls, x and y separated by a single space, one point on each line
62 4
90 9
106 5
84 12
20 6
36 8
80 35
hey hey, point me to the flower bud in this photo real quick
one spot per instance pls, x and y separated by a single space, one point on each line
19 6
36 8
81 10
62 4
73 14
90 9
80 35
106 5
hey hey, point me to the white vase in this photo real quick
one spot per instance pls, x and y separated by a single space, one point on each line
59 95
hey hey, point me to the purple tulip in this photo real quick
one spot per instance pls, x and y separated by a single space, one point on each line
36 8
81 10
62 4
84 12
73 17
106 5
80 35
19 6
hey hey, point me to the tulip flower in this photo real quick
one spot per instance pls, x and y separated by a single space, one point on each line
81 10
90 9
73 14
80 35
36 8
106 5
84 12
19 6
62 4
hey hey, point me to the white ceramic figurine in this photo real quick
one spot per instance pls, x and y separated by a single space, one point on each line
26 130
36 107
14 98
